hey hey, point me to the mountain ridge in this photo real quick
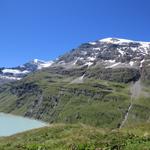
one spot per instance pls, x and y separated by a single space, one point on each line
17 73
113 53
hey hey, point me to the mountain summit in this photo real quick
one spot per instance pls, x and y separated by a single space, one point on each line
109 52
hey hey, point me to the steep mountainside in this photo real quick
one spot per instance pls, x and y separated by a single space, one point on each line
112 52
90 84
109 57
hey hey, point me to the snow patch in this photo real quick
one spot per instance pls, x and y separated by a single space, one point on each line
42 64
145 44
115 40
92 43
9 78
109 61
75 61
15 71
45 65
131 63
121 52
36 60
141 63
114 65
91 58
97 48
134 49
120 41
88 64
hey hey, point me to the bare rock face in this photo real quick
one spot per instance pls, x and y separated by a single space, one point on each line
108 52
110 59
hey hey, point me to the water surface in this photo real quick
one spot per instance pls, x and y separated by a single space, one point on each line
10 124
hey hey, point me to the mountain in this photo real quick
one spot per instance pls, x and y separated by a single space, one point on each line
126 58
80 85
17 73
101 88
108 54
111 52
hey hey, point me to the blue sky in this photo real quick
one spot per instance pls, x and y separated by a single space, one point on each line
45 29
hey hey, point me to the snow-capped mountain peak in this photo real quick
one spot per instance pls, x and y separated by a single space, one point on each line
120 41
115 40
19 72
108 52
144 46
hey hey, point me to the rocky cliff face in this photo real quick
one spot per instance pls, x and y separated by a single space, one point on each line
110 59
110 53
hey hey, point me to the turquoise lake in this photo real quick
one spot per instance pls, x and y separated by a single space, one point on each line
10 124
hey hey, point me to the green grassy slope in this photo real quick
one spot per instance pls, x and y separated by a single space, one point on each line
52 98
79 137
50 95
85 115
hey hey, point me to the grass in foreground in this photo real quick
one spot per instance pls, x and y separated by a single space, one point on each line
79 137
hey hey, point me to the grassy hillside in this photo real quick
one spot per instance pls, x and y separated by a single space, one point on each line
50 95
53 98
85 112
79 137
